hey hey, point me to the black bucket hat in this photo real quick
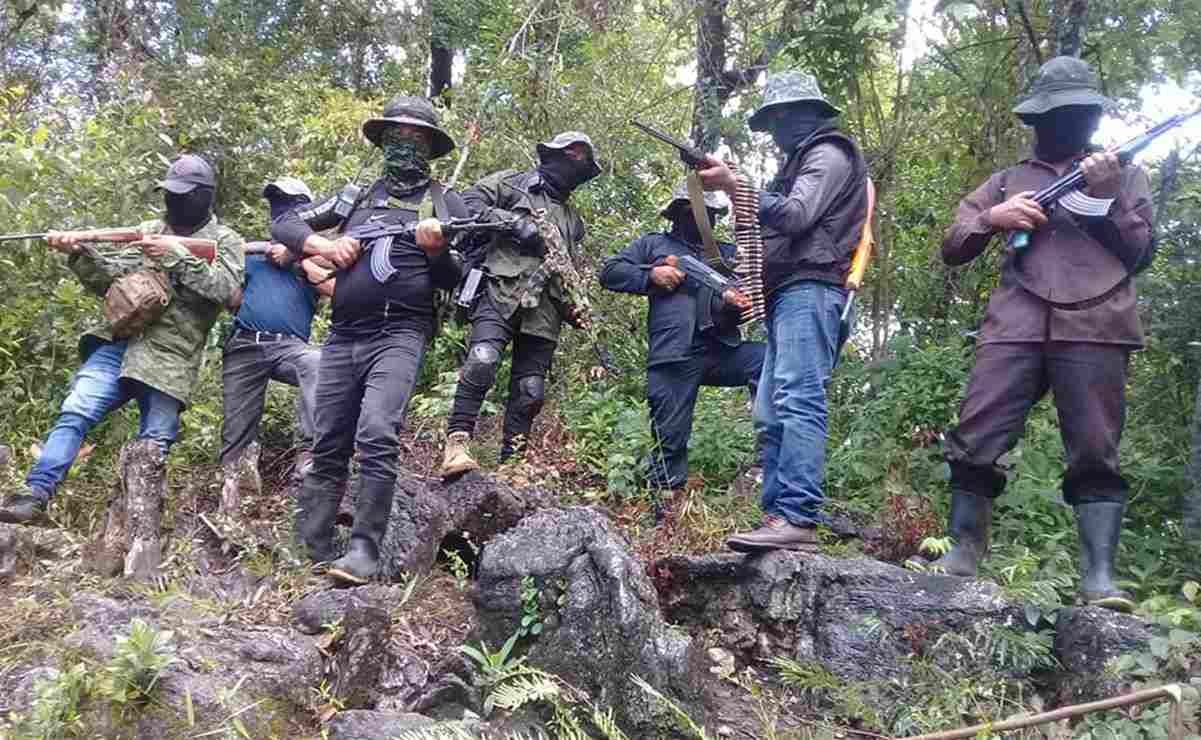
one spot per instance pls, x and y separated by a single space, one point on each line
414 111
1062 81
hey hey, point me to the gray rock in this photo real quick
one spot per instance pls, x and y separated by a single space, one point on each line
26 549
1086 639
359 724
6 456
328 606
426 510
861 619
361 655
601 615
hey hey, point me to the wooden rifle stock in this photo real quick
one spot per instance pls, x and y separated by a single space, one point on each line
863 254
205 249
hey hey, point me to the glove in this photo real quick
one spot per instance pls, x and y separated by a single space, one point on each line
527 238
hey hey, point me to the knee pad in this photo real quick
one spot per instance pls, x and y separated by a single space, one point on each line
480 367
531 391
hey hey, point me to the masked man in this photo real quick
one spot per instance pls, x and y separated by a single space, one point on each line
157 367
270 341
1064 319
692 331
383 318
811 217
565 162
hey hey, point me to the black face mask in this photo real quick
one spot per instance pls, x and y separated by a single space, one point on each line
281 203
795 125
564 174
1064 132
683 225
187 212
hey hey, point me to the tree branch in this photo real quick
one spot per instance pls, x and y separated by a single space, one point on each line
1021 6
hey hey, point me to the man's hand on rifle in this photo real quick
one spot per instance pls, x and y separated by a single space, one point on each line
66 242
343 251
157 246
717 175
430 238
667 276
279 254
737 299
1103 173
1019 213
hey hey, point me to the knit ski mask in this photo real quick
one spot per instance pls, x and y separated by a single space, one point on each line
683 225
187 212
564 174
406 160
794 125
281 203
1063 132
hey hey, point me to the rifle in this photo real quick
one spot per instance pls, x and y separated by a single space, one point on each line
451 228
702 273
205 249
1048 197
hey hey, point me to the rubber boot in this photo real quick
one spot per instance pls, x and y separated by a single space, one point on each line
373 508
1100 526
456 458
26 506
313 525
971 519
145 492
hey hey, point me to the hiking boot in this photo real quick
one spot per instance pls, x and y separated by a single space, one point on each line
775 533
26 507
1100 525
456 459
971 518
358 566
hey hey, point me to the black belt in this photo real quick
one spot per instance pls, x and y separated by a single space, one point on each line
260 337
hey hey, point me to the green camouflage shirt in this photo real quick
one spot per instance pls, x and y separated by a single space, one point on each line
504 194
167 355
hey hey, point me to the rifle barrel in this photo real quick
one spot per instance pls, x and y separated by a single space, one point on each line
20 237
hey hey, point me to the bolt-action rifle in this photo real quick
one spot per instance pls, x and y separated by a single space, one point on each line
1048 197
205 249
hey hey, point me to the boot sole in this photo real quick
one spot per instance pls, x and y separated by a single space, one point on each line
746 547
458 470
344 576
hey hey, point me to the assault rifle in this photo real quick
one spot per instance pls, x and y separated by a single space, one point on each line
702 273
1048 197
451 228
205 249
689 155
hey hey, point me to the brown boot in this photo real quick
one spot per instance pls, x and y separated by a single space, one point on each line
776 533
456 458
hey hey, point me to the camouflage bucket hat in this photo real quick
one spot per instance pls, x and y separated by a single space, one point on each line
1062 81
566 139
714 200
414 111
783 88
288 186
186 174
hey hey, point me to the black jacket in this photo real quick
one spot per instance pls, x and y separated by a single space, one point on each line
812 213
678 318
362 305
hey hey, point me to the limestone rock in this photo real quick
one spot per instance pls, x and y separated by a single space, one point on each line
1086 639
360 724
601 614
361 655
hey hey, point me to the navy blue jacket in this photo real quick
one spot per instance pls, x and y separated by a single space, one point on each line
677 319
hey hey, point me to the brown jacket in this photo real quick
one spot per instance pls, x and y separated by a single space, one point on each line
1082 262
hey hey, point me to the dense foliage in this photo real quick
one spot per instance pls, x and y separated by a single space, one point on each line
95 98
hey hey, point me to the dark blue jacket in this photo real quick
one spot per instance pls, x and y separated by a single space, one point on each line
677 319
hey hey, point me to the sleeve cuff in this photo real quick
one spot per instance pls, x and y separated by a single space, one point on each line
1086 205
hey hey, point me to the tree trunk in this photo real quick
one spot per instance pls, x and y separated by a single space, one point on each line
707 96
441 64
1068 25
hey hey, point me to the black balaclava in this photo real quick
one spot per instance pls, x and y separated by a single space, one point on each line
1064 132
563 174
406 161
797 123
281 203
683 225
187 212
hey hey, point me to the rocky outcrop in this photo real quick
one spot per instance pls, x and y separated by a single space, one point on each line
23 546
600 614
474 507
1086 639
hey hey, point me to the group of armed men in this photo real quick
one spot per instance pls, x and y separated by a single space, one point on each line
356 386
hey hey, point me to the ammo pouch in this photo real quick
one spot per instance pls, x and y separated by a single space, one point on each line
135 301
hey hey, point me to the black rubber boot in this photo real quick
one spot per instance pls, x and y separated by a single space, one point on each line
23 508
316 509
971 519
1100 525
373 507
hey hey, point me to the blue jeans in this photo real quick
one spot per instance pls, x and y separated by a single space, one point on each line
790 407
97 390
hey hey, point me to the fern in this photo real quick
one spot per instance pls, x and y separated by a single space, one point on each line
518 691
682 718
453 732
604 722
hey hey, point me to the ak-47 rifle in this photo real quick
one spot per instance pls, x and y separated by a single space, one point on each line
558 262
1048 197
381 264
205 249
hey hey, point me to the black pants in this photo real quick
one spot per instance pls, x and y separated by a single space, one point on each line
1089 385
532 358
248 364
363 388
672 389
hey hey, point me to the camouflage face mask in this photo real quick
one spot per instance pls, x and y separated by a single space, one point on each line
406 158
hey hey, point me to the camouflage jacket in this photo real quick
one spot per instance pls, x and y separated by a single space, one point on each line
503 194
167 355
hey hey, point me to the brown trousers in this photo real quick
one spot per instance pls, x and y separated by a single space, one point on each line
1089 386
